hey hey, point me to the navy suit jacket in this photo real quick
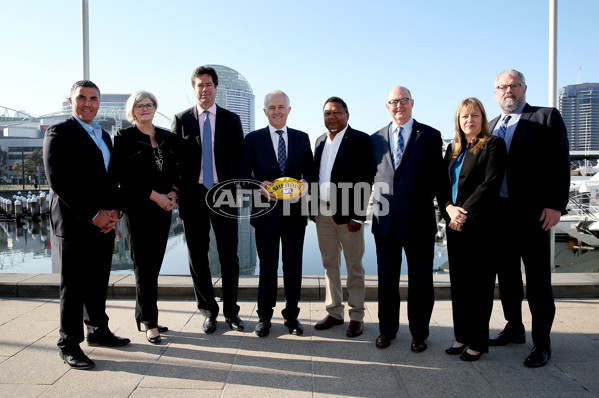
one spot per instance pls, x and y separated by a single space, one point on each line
228 138
259 163
80 184
479 181
538 167
353 164
403 198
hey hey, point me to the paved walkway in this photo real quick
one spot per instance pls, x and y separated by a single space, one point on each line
318 364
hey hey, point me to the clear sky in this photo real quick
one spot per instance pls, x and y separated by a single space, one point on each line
443 51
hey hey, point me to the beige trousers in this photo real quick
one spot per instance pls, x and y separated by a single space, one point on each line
332 239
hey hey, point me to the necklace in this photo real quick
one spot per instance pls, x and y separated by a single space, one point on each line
158 158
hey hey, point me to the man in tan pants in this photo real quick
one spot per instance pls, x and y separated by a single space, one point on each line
342 162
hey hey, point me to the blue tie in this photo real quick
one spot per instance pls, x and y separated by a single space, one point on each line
399 147
282 153
207 153
503 127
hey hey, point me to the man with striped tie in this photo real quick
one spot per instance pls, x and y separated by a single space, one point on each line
409 174
533 135
270 153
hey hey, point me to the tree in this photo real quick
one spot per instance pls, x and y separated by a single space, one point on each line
34 165
3 162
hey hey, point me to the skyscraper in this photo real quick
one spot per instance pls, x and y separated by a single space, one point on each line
235 94
579 105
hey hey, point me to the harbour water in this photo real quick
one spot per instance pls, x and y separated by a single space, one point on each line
25 247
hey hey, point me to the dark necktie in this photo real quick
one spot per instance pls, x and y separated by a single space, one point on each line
282 152
207 153
503 127
399 147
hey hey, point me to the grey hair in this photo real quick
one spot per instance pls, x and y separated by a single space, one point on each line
276 92
136 98
513 73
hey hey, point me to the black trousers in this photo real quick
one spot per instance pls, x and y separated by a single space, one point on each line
289 234
419 255
197 223
85 262
147 229
472 275
523 240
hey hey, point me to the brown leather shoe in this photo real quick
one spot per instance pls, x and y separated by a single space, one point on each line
384 341
418 345
327 323
354 329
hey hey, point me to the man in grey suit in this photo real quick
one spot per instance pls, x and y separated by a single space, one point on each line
533 135
409 174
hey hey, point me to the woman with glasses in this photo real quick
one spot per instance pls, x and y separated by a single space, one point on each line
476 163
145 163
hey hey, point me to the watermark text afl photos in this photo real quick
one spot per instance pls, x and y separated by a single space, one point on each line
228 197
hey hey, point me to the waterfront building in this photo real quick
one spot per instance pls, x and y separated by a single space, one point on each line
579 106
235 94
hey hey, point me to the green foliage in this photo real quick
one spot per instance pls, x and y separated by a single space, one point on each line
34 165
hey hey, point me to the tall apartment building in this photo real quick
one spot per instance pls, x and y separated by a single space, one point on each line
235 94
579 106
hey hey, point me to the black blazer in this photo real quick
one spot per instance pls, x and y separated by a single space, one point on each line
80 184
540 143
353 164
407 207
133 163
479 180
259 163
228 139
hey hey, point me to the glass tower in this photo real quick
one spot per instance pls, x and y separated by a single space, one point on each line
579 106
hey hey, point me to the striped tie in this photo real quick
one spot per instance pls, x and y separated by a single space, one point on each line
282 153
399 147
503 127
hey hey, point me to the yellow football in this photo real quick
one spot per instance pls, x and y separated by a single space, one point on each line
285 188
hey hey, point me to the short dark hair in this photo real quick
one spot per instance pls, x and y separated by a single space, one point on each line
337 100
84 83
204 70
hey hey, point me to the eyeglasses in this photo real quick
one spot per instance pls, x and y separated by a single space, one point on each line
513 86
396 102
148 107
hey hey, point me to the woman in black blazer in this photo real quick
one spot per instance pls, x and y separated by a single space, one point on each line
476 163
145 162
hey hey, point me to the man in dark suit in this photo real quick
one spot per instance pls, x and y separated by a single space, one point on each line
273 152
203 167
83 200
343 168
409 174
533 135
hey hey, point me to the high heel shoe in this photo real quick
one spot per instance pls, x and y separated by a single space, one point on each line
465 356
153 340
455 350
162 329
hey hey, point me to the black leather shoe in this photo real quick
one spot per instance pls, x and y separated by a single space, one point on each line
465 356
384 341
295 327
162 329
537 357
455 350
77 360
262 328
328 322
505 338
235 323
209 325
106 340
418 345
155 339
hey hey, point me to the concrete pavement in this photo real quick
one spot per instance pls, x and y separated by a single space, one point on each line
318 364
